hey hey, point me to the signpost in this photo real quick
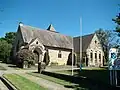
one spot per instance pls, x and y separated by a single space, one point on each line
114 67
112 57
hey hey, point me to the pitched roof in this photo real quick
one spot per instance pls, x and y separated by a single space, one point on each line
46 37
85 42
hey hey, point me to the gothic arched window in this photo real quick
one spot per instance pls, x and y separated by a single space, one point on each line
59 54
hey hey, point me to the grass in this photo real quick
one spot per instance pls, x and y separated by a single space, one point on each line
97 79
95 68
22 83
58 81
53 79
97 74
2 68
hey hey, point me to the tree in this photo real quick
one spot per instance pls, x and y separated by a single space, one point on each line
10 37
5 49
117 21
106 38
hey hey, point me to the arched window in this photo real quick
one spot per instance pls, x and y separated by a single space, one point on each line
91 56
95 55
37 42
95 41
100 56
59 54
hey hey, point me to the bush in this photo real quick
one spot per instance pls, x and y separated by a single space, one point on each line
25 55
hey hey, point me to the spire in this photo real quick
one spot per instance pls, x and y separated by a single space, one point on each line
20 23
51 28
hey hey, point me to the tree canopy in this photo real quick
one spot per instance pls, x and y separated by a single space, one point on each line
9 37
6 46
5 50
117 21
107 39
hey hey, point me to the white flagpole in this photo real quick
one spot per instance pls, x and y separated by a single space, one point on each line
72 56
80 42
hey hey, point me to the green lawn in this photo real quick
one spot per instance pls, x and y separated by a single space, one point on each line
2 68
58 81
22 83
97 79
97 74
53 79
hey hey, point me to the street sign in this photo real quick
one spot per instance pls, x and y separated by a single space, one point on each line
114 67
112 57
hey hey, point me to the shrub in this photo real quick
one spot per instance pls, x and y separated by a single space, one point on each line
25 55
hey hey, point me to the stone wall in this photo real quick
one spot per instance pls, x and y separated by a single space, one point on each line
54 56
95 47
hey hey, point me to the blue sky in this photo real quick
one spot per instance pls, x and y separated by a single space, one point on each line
63 14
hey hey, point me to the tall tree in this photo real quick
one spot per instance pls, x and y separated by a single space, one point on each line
5 49
6 46
106 38
117 21
9 37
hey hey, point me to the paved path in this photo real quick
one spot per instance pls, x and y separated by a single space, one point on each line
45 83
2 86
60 68
42 82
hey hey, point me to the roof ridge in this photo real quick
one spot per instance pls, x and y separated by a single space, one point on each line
33 27
45 30
85 35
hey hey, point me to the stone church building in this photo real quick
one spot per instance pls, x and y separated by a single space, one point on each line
40 41
58 46
92 53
